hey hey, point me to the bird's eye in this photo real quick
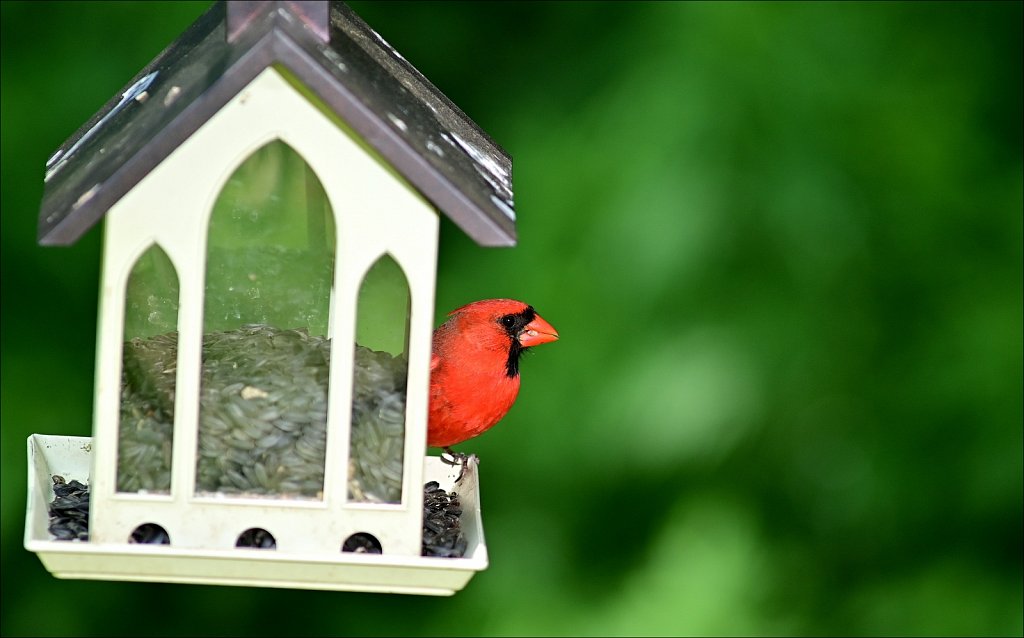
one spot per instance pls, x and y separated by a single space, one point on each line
508 321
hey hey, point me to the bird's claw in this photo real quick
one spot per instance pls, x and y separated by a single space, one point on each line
459 458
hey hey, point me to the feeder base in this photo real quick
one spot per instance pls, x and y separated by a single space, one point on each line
70 457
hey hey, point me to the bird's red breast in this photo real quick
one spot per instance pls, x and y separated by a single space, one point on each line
474 370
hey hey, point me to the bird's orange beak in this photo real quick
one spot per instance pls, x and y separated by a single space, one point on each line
537 332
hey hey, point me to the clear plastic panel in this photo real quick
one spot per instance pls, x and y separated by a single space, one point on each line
148 375
379 385
265 354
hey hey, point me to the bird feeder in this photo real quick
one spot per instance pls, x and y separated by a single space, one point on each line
270 187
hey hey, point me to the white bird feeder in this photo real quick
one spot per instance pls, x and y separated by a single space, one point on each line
270 186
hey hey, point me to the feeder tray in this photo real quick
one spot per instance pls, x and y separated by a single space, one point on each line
70 457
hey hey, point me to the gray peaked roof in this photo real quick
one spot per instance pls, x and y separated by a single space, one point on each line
370 86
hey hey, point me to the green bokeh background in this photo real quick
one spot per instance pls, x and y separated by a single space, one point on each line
783 246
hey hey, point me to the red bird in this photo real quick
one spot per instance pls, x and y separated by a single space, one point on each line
474 368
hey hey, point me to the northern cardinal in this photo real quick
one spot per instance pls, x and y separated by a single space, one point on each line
474 368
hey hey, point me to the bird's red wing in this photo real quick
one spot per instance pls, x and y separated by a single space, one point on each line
435 361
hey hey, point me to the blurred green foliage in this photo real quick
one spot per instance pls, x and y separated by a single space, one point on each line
151 295
783 246
270 246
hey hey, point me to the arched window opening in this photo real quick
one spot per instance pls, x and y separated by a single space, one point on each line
264 378
379 379
256 538
149 359
150 534
362 543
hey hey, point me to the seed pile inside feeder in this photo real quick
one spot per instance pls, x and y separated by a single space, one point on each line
262 416
442 531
